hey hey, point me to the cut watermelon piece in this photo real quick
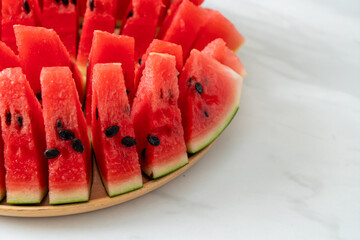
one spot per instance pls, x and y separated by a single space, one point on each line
81 4
68 147
23 133
111 48
157 118
8 59
40 47
24 12
122 6
113 134
209 99
143 23
218 50
182 29
67 28
99 15
218 26
159 46
2 169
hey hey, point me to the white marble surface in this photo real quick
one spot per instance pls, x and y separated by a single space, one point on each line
287 168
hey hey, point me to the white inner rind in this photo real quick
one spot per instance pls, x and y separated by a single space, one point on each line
123 185
69 196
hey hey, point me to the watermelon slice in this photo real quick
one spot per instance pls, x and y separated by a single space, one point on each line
2 169
143 23
23 133
217 26
40 47
209 99
8 59
67 28
81 4
157 119
24 12
68 147
159 46
182 29
112 131
218 50
122 6
99 15
111 48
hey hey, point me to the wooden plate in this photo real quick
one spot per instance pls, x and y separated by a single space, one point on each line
98 198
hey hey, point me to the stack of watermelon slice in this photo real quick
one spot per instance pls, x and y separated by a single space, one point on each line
145 85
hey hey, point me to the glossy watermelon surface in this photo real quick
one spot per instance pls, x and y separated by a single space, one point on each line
23 134
157 118
67 27
66 135
113 133
209 99
17 12
218 50
111 48
8 59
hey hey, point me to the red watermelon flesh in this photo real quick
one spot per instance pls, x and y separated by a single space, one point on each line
157 118
209 99
17 12
99 15
40 47
218 50
170 13
66 131
182 29
143 23
122 7
81 5
111 48
159 46
62 18
23 133
217 26
113 134
8 59
2 169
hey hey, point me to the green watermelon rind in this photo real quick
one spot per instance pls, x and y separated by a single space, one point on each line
170 171
126 191
26 198
70 200
184 161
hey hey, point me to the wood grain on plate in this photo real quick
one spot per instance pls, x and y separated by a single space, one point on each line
98 198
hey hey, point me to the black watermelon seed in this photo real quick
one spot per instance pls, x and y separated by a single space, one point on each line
206 114
65 2
77 145
51 153
96 113
74 2
153 140
66 134
91 4
58 1
191 80
111 131
19 120
59 125
8 118
199 88
131 13
127 92
38 96
143 154
128 141
140 61
26 6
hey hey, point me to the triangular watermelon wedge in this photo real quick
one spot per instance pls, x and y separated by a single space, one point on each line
8 59
68 146
22 126
113 133
157 118
209 99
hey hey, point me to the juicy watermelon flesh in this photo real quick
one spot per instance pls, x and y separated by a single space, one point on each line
40 47
206 115
142 24
217 26
218 50
182 29
13 12
8 59
159 46
81 4
24 140
119 165
155 113
100 18
67 27
110 48
70 171
2 169
122 6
